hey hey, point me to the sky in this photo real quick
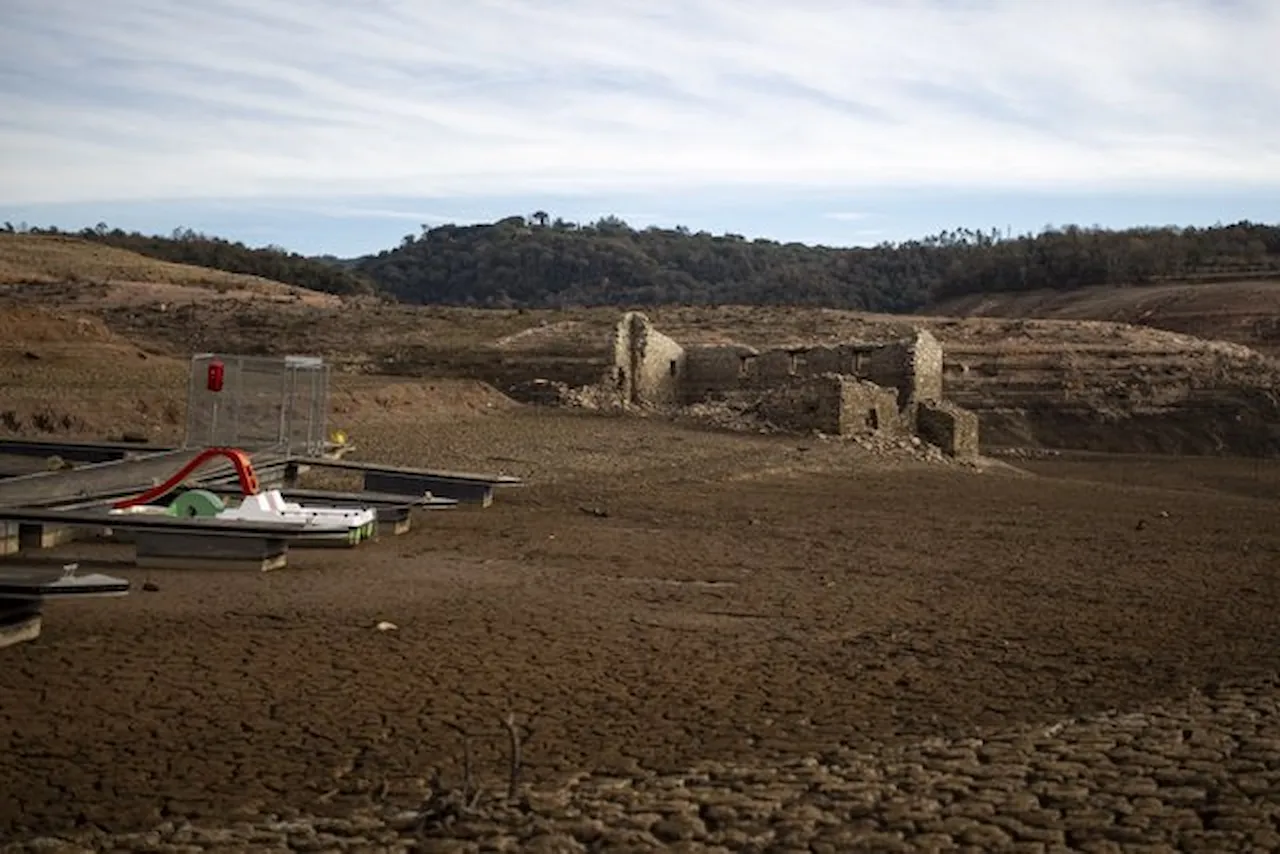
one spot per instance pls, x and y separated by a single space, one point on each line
339 126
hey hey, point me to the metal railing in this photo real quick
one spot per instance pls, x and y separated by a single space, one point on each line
264 404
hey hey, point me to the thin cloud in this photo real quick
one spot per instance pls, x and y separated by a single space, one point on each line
147 99
357 212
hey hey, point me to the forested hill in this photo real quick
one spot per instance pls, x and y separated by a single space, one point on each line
542 263
185 246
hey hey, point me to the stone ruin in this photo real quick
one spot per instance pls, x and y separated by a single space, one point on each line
847 389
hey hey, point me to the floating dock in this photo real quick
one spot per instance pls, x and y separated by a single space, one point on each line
24 590
44 509
405 480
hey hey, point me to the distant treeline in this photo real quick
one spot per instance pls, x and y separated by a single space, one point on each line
538 261
535 262
185 246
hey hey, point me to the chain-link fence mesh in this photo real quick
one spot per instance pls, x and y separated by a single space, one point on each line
265 403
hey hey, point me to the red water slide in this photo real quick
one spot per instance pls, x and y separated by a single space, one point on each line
239 459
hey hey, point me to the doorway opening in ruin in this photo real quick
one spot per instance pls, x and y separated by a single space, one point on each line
873 419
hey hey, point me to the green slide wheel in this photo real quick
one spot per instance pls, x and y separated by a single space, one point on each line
197 503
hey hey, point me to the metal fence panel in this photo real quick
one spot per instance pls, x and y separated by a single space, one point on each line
265 404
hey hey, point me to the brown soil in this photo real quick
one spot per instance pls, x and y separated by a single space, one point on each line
656 597
61 268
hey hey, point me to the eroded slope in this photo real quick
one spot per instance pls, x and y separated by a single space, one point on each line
1246 312
57 269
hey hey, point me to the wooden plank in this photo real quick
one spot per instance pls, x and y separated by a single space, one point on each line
45 488
81 452
381 468
467 492
162 549
119 479
368 498
36 583
172 543
16 466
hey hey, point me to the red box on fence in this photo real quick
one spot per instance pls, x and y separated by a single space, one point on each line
214 380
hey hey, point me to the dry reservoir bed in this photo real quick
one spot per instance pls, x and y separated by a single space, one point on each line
665 605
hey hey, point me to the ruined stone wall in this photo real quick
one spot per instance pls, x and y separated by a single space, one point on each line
831 403
811 403
775 366
913 367
648 367
950 427
727 368
820 360
885 382
658 369
926 367
890 367
867 408
716 370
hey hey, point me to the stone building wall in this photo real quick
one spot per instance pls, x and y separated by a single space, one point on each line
716 370
912 367
810 403
926 368
950 427
831 403
840 389
649 368
866 408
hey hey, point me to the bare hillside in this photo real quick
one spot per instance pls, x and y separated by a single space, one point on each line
1090 385
1246 312
1123 383
60 268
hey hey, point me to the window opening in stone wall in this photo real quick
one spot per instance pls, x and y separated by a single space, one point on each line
746 366
797 362
873 419
858 363
674 368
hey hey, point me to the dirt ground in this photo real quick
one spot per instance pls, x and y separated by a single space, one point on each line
662 596
655 597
